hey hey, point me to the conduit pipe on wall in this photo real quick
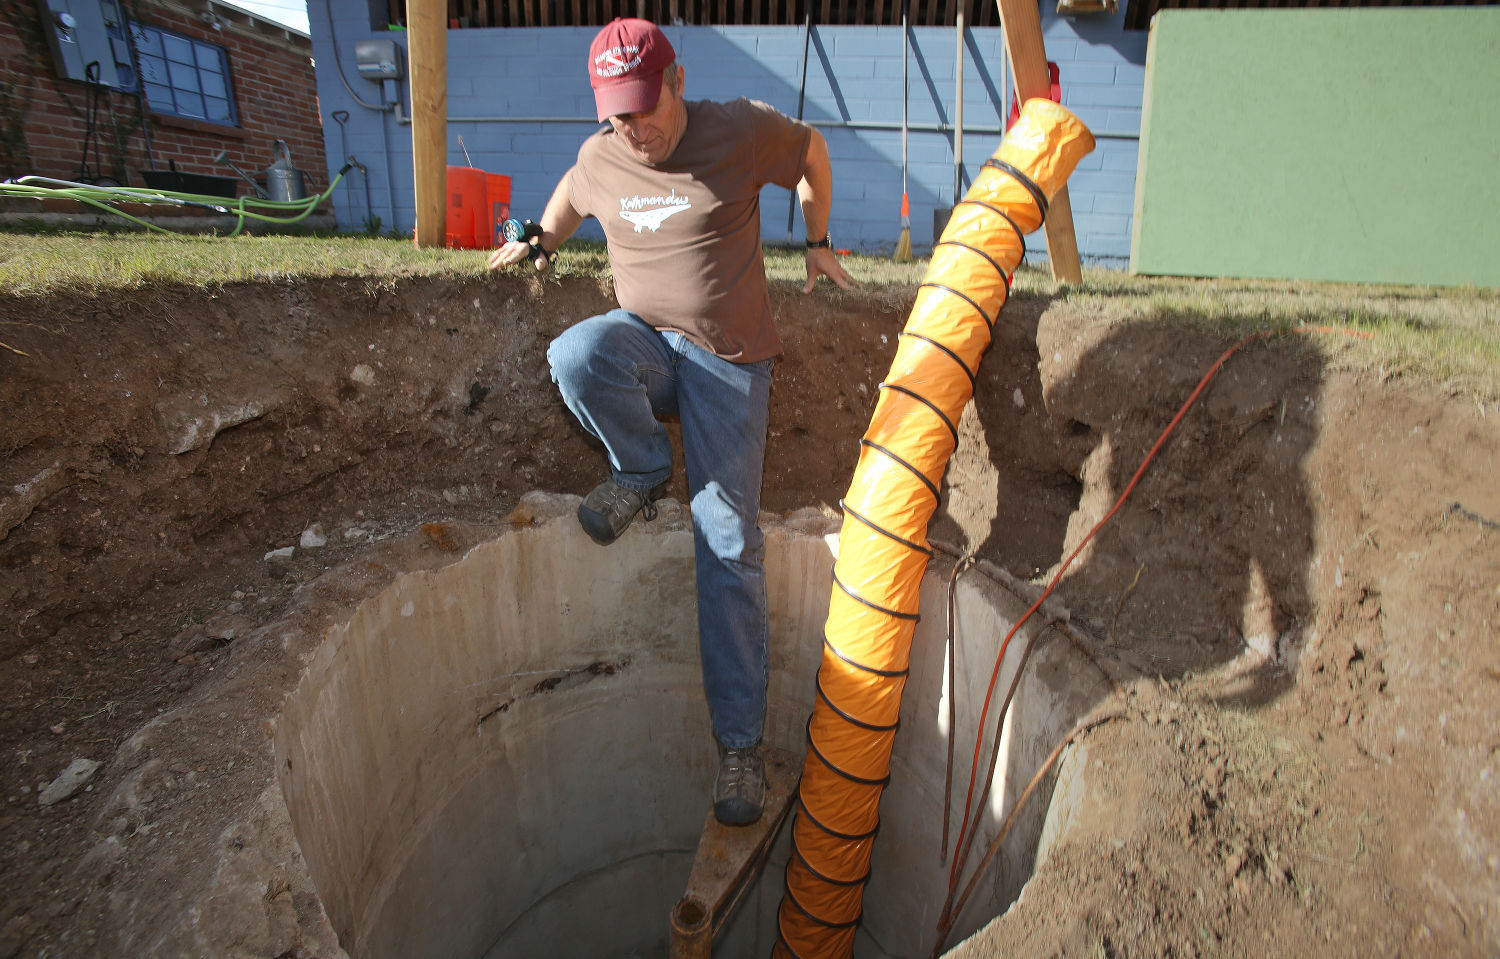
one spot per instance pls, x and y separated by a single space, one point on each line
883 551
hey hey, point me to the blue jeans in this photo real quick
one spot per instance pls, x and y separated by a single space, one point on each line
617 375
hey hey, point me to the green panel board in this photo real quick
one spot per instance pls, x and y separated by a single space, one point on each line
1336 144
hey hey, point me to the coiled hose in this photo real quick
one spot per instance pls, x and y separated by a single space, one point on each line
882 543
278 212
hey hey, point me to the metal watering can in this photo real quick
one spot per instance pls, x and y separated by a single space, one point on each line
284 182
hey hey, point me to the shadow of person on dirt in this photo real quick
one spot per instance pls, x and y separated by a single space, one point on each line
1011 483
1207 561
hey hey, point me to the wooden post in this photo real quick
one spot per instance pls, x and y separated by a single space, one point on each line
1028 63
427 50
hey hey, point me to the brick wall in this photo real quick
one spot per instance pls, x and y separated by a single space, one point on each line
275 94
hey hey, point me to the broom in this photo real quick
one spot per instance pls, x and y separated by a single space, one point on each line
903 245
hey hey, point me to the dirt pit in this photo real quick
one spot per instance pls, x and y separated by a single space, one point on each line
1299 601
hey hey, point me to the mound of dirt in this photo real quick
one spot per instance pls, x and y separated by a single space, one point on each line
1299 598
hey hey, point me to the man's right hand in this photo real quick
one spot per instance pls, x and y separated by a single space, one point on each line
821 261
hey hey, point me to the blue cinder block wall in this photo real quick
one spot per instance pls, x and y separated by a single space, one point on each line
520 100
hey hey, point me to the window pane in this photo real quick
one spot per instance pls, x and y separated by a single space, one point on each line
213 84
147 41
184 78
153 70
218 109
177 49
160 98
208 57
190 105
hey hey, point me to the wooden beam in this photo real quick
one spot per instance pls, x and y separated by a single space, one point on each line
427 51
1028 63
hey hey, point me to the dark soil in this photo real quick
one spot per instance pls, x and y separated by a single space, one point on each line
1306 583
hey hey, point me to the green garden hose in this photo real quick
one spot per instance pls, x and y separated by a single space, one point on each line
103 198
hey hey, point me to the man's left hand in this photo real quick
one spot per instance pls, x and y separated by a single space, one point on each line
822 261
515 251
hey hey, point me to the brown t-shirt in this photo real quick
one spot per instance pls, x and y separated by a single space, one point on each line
684 234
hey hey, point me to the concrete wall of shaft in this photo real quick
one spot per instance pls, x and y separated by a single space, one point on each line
510 755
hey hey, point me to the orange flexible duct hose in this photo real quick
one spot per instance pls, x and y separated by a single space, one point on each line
882 543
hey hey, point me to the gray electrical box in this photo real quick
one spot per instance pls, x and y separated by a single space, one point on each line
86 32
379 59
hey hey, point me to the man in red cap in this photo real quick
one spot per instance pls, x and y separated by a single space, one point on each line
675 184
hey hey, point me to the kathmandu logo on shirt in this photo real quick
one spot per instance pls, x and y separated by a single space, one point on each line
649 212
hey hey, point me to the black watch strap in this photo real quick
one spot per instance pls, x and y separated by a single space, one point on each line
824 243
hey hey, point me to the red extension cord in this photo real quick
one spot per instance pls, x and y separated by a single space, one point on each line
965 836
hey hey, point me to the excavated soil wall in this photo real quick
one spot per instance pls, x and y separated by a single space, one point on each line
1298 602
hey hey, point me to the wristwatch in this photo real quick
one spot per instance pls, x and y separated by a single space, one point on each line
827 241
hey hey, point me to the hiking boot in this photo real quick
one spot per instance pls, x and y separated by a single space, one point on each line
606 512
740 789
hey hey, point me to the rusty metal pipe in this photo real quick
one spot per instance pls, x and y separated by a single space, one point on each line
692 930
729 860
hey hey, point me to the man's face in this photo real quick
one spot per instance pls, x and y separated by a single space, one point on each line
653 135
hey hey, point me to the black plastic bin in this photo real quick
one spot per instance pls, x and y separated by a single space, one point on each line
200 184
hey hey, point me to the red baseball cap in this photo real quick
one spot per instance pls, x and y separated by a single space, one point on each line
626 61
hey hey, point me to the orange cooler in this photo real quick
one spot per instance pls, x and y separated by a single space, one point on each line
468 208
